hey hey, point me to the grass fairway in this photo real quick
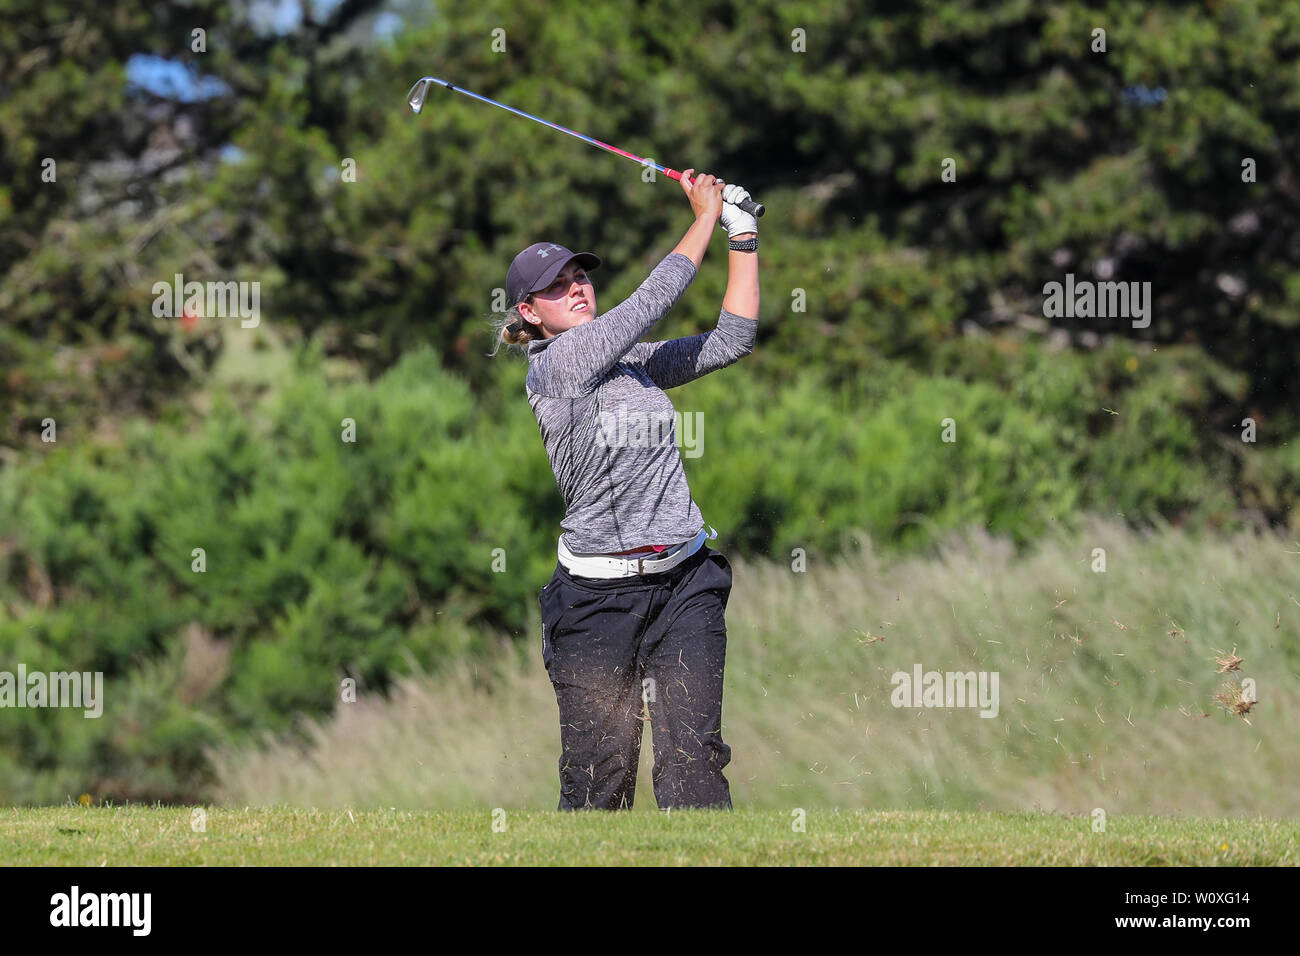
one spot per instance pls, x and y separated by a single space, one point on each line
121 836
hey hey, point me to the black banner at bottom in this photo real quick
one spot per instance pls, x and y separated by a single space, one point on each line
337 905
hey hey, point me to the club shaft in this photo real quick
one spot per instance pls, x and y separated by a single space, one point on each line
556 126
415 98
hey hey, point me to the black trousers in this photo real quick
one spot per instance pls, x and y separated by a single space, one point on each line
610 644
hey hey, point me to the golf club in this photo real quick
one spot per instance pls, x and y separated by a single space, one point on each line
415 99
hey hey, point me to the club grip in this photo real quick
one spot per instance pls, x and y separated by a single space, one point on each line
755 209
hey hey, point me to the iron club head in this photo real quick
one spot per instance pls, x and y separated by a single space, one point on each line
415 98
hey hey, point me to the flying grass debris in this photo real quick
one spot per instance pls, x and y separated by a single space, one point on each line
1228 662
1232 696
1233 700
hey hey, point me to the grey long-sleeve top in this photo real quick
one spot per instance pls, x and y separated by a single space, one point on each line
608 427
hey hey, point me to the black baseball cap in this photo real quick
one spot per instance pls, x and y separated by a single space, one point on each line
537 266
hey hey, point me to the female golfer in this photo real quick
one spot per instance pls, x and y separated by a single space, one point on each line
634 611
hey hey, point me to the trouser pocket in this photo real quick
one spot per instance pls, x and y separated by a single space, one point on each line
546 603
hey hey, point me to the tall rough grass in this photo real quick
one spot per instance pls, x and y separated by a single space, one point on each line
1107 684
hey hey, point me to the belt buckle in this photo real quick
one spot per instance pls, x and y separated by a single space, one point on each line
640 566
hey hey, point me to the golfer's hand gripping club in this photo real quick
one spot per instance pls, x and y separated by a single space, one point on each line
704 193
735 218
708 194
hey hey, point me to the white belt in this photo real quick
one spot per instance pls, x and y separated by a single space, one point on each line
608 566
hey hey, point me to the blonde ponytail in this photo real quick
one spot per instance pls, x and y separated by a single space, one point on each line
512 329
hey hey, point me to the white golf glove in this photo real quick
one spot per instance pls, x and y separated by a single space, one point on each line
734 219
